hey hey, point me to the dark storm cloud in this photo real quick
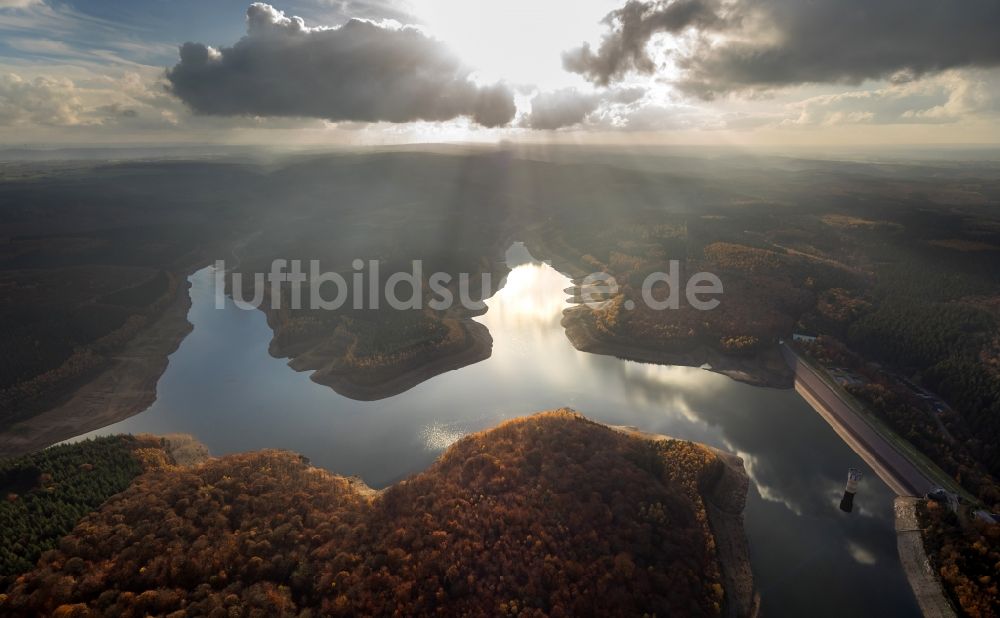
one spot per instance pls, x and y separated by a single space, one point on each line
782 42
631 27
361 71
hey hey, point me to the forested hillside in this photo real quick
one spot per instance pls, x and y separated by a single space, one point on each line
46 493
547 515
965 552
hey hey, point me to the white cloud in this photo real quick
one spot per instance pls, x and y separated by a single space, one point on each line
17 4
44 101
569 107
947 97
74 99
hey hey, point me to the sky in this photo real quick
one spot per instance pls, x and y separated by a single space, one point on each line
319 72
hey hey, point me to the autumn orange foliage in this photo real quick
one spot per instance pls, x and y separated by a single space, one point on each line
546 515
965 552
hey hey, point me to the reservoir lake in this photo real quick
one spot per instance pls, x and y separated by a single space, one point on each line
808 557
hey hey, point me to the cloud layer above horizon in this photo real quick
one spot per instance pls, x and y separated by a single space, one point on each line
361 71
738 45
721 71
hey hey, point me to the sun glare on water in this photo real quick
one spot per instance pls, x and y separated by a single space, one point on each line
532 293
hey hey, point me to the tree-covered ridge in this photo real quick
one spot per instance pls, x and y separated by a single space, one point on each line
547 515
942 340
44 494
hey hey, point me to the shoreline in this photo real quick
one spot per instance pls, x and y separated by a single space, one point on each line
725 505
711 484
725 502
926 586
724 498
479 347
767 369
124 389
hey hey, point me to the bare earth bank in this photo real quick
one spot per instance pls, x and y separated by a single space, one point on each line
766 368
724 502
126 388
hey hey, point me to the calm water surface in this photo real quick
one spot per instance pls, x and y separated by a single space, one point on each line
809 558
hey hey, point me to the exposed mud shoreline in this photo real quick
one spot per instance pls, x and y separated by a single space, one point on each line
725 500
372 385
767 368
122 390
